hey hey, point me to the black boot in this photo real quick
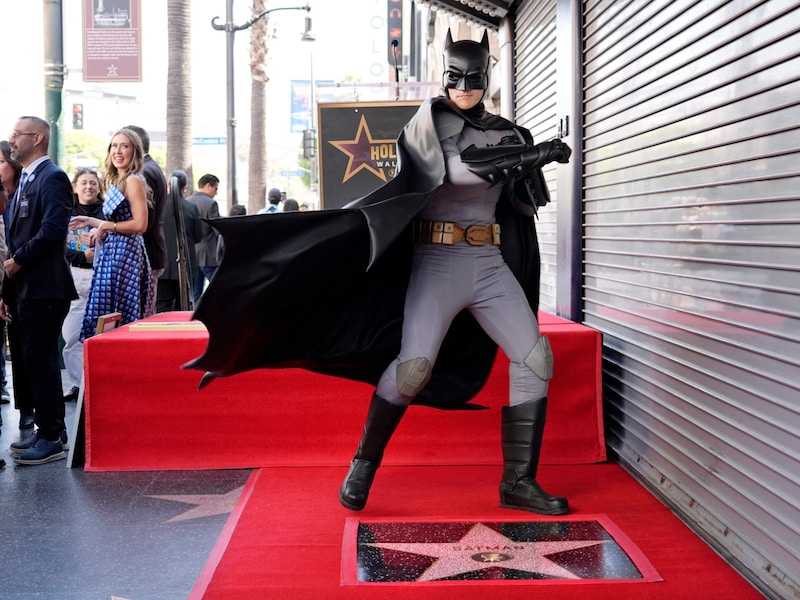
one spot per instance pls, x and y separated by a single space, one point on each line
523 428
382 420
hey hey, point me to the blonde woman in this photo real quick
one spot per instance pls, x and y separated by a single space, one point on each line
121 278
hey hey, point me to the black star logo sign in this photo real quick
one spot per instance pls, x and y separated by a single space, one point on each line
484 548
363 152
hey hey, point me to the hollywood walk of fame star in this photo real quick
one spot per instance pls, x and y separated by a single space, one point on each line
359 152
484 548
206 505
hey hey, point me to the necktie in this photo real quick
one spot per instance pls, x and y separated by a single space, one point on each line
22 182
18 195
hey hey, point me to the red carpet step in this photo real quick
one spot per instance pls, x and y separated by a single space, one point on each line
144 412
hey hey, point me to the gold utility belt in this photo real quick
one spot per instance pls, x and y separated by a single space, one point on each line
438 232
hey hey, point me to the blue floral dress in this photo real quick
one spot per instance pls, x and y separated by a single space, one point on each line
121 278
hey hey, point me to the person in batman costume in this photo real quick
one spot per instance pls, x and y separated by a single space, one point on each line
412 276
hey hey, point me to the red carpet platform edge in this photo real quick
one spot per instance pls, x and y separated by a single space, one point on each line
144 388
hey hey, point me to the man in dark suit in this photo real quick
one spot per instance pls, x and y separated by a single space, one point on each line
206 248
37 290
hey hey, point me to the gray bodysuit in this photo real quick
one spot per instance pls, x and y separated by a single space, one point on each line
446 279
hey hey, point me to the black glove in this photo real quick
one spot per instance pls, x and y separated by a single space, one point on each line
552 151
499 163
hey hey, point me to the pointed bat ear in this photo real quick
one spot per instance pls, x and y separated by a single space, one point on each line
448 41
485 40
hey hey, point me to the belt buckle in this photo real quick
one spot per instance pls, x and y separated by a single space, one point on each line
445 232
477 235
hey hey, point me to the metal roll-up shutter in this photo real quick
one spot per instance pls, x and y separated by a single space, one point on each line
692 262
535 106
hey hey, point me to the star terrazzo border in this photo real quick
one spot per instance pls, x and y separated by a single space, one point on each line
580 549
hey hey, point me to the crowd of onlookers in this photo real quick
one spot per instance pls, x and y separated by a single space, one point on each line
118 239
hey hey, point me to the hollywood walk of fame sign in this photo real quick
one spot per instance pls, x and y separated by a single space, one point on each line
357 150
566 550
112 40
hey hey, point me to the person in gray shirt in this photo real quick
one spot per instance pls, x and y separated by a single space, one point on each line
206 249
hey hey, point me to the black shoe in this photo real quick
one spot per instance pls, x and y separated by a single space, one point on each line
5 396
72 394
26 419
355 488
526 494
24 445
42 451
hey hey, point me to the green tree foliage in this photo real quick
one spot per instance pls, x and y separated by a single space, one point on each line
83 149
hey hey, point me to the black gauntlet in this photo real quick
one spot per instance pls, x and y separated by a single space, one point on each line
497 164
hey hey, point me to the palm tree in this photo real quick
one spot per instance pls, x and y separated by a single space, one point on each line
179 88
257 171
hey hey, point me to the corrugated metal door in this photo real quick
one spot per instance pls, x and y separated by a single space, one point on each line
692 261
535 105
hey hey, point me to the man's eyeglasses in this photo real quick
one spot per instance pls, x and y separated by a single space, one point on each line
15 134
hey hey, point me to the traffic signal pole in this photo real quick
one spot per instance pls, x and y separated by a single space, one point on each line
54 70
230 29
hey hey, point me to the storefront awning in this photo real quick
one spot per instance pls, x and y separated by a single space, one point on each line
487 13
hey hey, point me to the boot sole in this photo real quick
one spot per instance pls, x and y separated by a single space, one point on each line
550 513
349 506
40 461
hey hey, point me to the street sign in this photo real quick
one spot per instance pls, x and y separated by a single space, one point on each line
209 141
296 173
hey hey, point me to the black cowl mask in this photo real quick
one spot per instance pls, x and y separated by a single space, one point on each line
466 64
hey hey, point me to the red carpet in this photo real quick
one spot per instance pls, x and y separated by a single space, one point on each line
285 539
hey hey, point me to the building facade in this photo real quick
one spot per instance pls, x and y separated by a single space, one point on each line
675 231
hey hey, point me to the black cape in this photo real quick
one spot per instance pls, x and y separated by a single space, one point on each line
324 290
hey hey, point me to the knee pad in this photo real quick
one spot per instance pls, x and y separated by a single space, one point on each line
413 375
540 359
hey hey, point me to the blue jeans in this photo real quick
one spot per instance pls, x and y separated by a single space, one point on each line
201 274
